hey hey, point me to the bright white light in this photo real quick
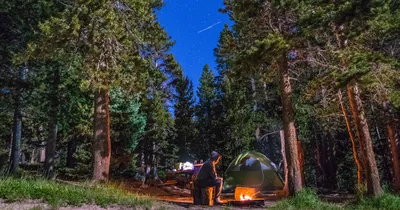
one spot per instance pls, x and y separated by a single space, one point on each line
188 166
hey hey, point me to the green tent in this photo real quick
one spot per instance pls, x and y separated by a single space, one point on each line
252 169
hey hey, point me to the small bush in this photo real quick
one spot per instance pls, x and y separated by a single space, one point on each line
306 199
57 194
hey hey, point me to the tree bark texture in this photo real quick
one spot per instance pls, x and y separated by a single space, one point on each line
294 175
33 154
393 139
372 175
17 134
326 162
255 106
340 39
353 143
331 164
285 168
52 132
101 136
51 147
17 125
301 161
318 167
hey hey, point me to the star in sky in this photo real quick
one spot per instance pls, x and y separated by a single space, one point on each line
195 25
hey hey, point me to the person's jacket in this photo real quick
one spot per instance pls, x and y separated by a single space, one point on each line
207 171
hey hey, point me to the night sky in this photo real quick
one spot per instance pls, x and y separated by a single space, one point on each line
195 26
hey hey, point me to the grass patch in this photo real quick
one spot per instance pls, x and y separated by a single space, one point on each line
386 201
304 200
57 194
308 200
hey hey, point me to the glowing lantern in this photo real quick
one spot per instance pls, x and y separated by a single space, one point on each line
188 166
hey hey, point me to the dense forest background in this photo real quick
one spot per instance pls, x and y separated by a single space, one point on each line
89 89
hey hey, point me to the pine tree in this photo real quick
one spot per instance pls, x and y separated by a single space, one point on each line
127 127
18 27
184 118
105 36
159 131
157 148
265 45
52 124
206 113
235 116
350 26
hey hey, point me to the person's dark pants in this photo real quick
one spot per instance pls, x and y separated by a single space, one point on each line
217 183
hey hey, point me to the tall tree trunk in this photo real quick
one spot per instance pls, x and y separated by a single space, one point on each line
391 132
301 161
71 161
341 41
142 156
17 125
9 143
373 180
53 120
324 160
331 162
255 107
294 175
17 130
319 172
101 137
33 154
51 147
353 143
153 157
285 168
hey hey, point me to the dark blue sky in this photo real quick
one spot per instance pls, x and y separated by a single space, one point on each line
195 26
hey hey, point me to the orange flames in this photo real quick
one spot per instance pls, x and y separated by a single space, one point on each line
244 197
244 193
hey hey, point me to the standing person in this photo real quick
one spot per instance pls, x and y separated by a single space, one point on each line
207 176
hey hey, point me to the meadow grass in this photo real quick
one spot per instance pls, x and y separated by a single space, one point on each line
305 200
59 194
386 201
308 200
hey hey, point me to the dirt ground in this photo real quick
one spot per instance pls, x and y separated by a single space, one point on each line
165 201
39 205
180 199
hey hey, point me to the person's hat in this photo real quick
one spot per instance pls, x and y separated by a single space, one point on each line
215 155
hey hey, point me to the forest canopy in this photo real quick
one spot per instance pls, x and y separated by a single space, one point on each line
91 89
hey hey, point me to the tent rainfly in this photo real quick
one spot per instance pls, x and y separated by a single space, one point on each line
252 169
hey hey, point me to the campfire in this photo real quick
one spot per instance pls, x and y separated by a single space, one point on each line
246 196
244 193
